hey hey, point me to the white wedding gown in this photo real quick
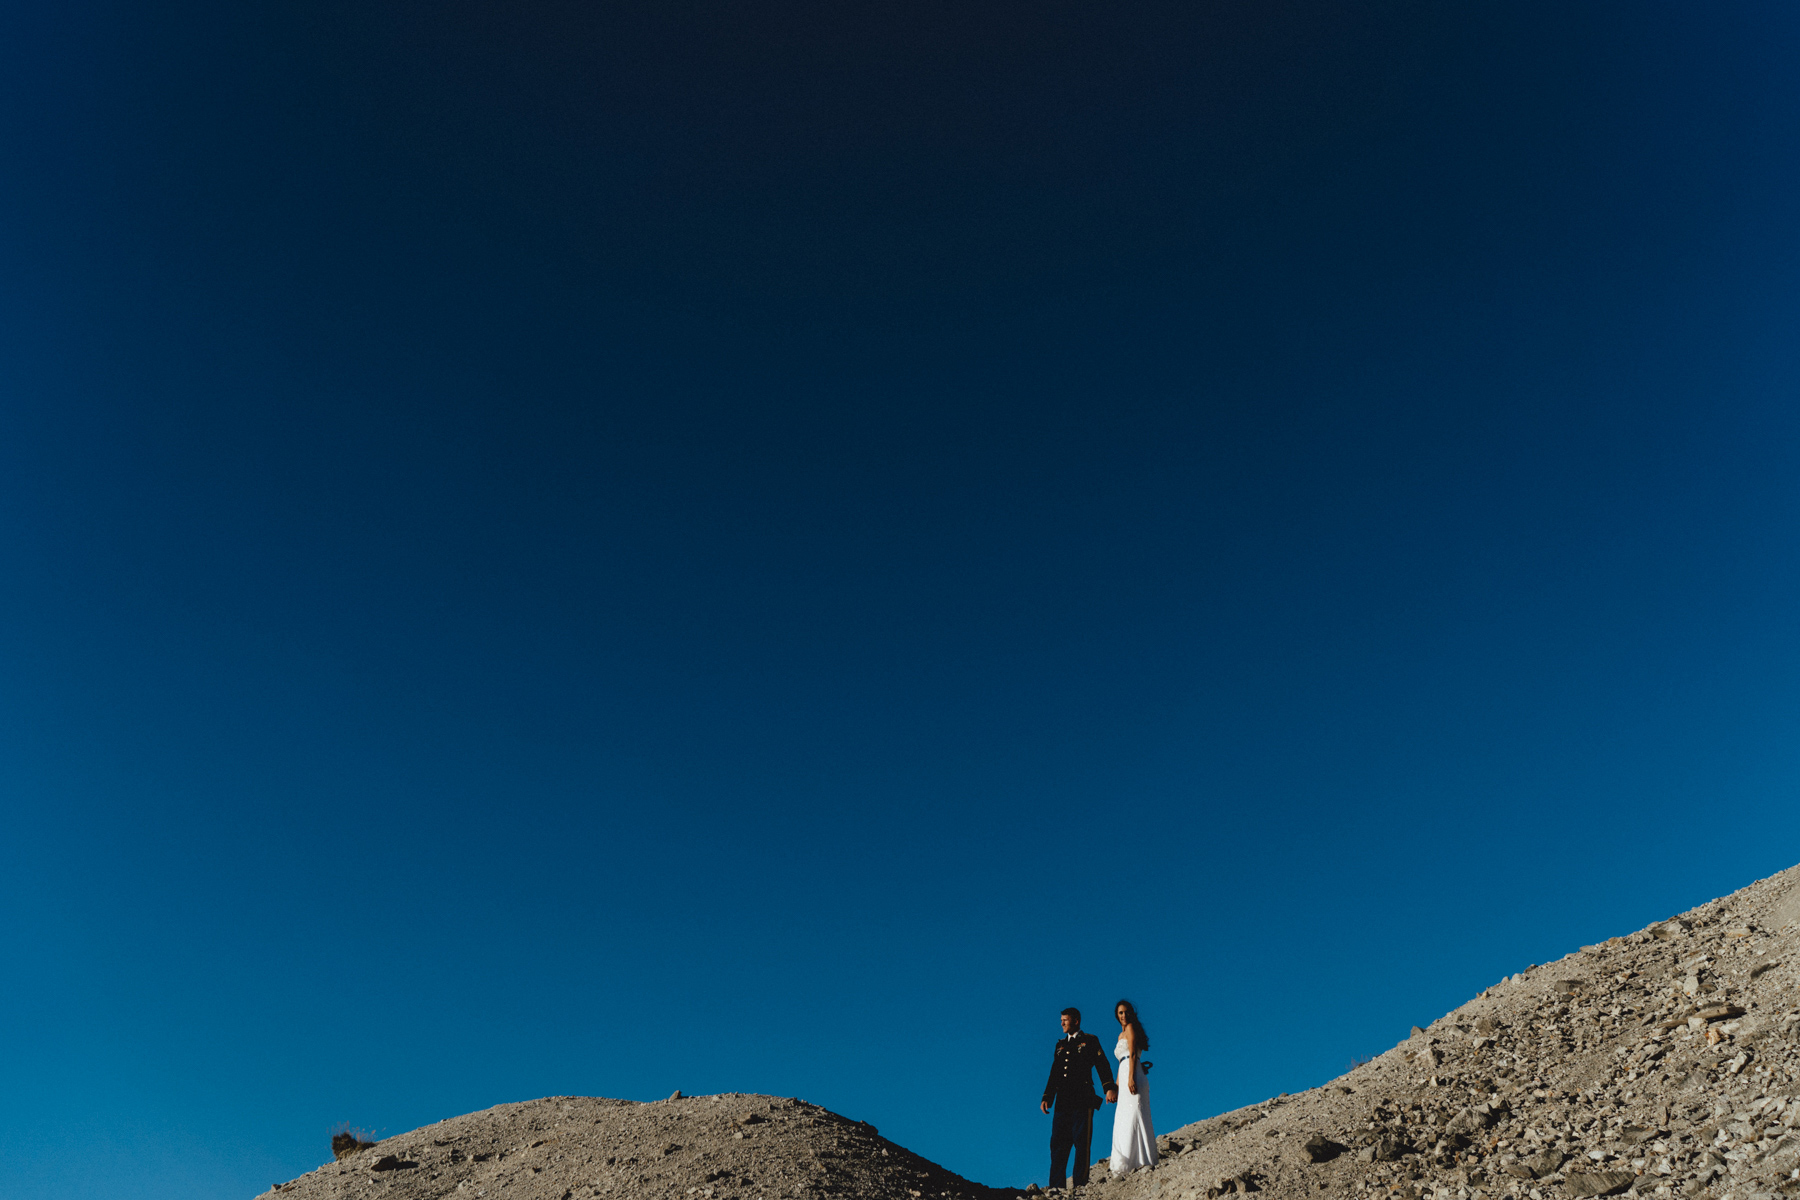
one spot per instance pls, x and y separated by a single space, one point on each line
1134 1136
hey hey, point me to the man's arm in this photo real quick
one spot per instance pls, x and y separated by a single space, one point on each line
1110 1087
1050 1084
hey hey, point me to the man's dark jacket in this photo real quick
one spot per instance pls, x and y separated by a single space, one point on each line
1071 1079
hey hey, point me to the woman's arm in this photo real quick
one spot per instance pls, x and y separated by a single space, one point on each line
1131 1071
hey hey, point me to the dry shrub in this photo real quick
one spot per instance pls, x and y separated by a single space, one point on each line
346 1141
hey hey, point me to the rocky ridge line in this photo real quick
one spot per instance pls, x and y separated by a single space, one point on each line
728 1147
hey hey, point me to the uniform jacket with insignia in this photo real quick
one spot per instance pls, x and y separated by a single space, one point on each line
1071 1069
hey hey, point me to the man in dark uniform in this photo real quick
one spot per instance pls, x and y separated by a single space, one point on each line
1071 1090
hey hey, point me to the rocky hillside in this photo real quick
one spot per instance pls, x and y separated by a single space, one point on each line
1659 1064
731 1147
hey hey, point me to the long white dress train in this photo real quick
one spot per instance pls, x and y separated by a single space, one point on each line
1134 1136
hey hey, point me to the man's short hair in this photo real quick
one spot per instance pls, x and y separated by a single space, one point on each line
1072 1012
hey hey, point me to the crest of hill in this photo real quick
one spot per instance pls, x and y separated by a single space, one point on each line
1659 1065
730 1147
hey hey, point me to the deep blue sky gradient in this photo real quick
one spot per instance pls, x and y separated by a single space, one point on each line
575 548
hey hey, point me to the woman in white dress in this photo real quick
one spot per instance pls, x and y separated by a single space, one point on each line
1134 1136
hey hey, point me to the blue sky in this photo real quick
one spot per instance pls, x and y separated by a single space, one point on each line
563 548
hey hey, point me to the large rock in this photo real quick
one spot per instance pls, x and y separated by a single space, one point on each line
1537 1166
1474 1119
1600 1183
1385 1149
1319 1148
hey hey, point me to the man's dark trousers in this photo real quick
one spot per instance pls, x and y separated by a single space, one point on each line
1071 1127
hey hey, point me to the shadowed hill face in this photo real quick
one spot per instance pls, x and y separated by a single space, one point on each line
1663 1064
732 1147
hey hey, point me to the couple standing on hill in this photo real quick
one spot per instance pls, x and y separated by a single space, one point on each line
1071 1092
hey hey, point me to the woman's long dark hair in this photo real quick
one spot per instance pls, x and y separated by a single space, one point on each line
1131 1018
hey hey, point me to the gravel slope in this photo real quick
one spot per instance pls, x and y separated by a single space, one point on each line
731 1147
1659 1064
